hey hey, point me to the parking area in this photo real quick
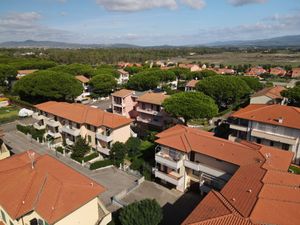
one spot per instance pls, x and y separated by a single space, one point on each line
114 181
104 104
153 191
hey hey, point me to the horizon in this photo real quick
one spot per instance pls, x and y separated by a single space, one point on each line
144 23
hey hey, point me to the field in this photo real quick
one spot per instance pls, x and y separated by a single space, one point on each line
257 58
8 114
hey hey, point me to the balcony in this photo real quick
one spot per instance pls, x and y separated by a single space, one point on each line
37 116
168 161
39 127
206 169
274 137
104 137
54 135
172 178
118 104
52 123
150 121
70 130
69 142
147 111
238 127
102 150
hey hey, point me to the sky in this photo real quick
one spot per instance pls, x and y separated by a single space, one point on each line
147 22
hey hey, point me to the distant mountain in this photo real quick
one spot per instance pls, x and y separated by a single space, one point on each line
284 41
54 44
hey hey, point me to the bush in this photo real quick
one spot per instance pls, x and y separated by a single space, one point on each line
91 156
145 212
136 164
100 164
35 134
59 149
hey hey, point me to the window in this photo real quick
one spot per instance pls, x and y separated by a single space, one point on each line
258 140
196 173
89 138
285 146
88 127
271 143
3 216
40 222
143 106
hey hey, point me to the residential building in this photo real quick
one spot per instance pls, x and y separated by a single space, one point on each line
191 85
150 110
23 73
277 71
225 71
123 102
256 71
65 122
295 72
246 183
123 76
269 95
85 96
271 125
40 190
191 67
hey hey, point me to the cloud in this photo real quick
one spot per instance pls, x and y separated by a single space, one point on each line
196 4
20 26
138 5
246 2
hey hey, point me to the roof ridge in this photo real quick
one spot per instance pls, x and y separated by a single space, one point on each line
40 191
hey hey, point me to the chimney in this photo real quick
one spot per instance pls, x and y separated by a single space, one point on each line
280 120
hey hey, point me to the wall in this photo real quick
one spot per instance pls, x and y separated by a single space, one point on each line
121 134
4 153
86 215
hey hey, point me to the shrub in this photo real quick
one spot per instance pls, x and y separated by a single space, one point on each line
145 212
59 149
91 156
136 164
35 134
100 164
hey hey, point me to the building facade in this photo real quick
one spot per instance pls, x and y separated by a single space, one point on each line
65 122
272 125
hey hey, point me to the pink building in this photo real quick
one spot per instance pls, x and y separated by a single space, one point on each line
150 111
123 102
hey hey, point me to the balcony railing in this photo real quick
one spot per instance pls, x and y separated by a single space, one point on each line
207 169
104 137
168 161
37 116
54 135
39 127
238 127
172 178
70 130
102 150
52 123
69 142
274 137
147 111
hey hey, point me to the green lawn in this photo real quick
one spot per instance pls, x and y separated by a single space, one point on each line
8 114
295 169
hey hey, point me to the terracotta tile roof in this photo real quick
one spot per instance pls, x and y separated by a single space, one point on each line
271 114
82 79
51 188
122 93
153 98
253 184
1 223
26 72
192 83
84 114
191 139
123 72
296 72
271 92
278 71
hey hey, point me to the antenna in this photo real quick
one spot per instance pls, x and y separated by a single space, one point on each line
31 156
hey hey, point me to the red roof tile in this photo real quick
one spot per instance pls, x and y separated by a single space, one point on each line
153 98
82 114
271 114
82 79
192 83
51 188
122 93
271 92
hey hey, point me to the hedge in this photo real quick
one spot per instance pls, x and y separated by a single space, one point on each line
35 134
60 149
17 101
91 156
100 164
